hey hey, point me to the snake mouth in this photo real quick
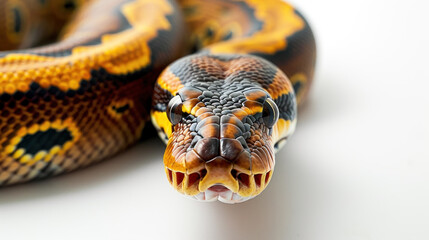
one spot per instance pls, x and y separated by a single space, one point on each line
220 193
198 185
218 188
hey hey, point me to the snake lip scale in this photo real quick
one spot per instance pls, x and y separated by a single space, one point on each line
220 80
226 196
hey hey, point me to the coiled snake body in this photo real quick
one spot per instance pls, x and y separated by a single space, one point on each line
223 110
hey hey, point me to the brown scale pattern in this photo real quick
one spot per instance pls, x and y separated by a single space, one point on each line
98 133
65 106
86 97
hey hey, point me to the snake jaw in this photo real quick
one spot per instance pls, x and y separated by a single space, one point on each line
235 190
219 155
226 196
234 151
192 173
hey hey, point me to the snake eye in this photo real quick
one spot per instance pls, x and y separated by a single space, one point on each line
174 110
270 113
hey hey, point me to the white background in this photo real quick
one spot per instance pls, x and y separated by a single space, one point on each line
357 167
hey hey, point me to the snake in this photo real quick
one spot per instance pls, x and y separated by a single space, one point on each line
220 80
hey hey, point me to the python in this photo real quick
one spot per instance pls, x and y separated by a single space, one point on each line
221 81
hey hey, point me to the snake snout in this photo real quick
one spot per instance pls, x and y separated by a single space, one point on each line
220 169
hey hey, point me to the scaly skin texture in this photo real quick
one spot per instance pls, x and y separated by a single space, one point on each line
221 146
222 138
87 97
223 111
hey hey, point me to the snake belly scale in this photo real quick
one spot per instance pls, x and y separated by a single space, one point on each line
221 81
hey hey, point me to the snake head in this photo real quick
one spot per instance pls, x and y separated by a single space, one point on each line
221 125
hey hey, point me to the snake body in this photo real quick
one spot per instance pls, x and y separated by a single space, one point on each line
223 110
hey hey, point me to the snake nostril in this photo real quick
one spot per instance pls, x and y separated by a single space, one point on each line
193 178
203 173
244 179
258 178
234 173
179 178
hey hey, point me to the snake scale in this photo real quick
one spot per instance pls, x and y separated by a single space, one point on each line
220 79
